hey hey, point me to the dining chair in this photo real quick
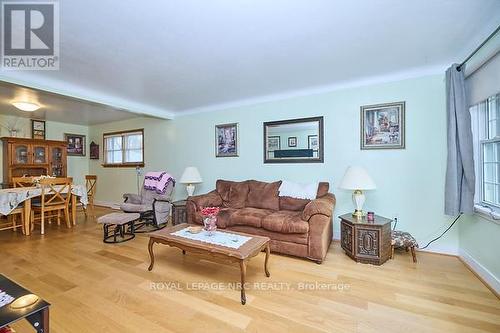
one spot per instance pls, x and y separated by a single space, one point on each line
12 220
55 198
91 185
22 181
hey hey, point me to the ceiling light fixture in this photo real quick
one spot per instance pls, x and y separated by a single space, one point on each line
26 106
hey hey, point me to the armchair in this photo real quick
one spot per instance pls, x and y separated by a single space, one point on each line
154 208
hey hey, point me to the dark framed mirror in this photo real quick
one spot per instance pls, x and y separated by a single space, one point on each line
294 141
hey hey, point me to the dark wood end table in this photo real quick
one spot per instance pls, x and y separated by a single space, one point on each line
179 212
213 252
365 241
37 314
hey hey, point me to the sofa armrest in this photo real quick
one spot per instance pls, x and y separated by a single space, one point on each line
319 214
196 203
322 206
211 199
132 198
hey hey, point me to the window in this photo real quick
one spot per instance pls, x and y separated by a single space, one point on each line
486 129
124 148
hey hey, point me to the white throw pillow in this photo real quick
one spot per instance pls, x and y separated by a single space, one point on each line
299 191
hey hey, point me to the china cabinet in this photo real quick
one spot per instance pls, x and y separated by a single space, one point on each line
33 157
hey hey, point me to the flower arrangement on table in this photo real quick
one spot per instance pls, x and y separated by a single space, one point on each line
37 180
210 219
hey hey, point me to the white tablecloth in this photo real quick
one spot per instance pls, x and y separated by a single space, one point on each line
10 198
231 240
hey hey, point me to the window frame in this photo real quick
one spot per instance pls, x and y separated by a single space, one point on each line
123 134
482 200
481 128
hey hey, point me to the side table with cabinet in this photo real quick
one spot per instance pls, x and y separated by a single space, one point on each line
366 241
179 212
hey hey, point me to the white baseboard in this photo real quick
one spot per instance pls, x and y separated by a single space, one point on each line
112 205
451 251
491 280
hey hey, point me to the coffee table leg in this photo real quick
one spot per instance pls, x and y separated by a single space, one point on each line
40 320
268 252
151 255
243 269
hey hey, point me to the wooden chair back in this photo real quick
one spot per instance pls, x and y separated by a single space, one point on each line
22 181
56 191
91 185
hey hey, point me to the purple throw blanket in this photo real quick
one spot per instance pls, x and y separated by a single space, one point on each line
158 181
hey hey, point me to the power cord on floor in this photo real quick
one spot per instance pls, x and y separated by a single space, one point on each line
451 225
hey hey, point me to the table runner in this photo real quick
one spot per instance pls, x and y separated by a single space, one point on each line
10 198
226 239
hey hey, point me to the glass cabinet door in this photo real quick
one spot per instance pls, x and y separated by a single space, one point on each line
56 162
39 154
21 154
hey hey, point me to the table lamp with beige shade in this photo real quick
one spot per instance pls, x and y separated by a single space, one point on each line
190 176
357 179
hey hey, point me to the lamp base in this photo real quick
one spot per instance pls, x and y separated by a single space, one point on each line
358 214
190 189
358 198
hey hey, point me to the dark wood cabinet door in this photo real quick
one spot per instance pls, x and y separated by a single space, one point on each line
367 243
346 237
179 215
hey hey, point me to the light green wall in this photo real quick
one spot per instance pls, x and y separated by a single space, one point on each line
159 154
78 167
410 181
479 237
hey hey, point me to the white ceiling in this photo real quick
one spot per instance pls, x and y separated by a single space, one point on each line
58 108
167 57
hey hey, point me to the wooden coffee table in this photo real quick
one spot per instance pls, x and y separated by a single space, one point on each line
213 252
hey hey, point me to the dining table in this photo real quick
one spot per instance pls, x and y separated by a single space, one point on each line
11 198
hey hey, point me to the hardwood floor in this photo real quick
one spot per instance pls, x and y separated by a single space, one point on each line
97 287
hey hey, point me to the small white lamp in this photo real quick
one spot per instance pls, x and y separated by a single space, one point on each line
357 179
190 176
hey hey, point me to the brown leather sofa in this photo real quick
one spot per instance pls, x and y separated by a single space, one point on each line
296 227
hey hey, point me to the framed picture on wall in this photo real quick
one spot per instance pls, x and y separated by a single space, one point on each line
94 151
76 144
226 140
383 126
273 143
292 141
38 129
312 142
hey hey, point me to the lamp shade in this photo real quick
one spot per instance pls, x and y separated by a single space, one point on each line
191 176
356 178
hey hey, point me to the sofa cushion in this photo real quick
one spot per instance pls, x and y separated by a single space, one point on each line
288 222
263 195
277 236
234 194
224 216
249 216
289 203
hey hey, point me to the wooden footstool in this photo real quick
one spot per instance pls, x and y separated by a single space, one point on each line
120 222
403 239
